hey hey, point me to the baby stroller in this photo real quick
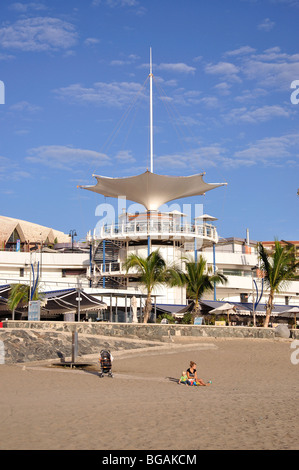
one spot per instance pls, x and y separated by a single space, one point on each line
106 363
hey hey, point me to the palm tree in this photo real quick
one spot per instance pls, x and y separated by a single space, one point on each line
19 296
152 272
279 268
198 279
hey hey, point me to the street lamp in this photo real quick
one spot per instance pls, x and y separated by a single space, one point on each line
73 234
253 270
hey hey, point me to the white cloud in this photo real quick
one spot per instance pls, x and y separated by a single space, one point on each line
271 150
223 88
256 115
102 94
125 156
241 51
11 170
91 41
178 67
272 71
24 7
133 4
65 157
25 106
266 25
38 34
227 69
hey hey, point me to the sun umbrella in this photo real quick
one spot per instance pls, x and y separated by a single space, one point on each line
292 312
224 308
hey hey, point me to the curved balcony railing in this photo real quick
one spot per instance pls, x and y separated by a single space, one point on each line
153 228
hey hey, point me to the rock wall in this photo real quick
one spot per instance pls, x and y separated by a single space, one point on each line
23 341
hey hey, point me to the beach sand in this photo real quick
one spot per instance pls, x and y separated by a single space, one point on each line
251 403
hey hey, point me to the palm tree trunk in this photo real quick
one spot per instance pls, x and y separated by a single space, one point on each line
148 308
269 309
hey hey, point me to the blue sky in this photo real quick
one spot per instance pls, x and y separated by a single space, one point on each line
75 70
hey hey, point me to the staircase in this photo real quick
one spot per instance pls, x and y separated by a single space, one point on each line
112 248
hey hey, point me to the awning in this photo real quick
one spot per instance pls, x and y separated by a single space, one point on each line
243 308
152 190
66 301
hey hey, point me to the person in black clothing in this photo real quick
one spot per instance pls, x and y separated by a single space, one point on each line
192 376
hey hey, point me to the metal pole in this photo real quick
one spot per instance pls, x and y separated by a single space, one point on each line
110 316
79 298
151 113
74 346
214 268
104 262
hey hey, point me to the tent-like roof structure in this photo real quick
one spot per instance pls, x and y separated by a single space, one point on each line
29 232
152 190
56 302
61 302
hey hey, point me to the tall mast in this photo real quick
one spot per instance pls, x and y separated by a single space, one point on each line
151 114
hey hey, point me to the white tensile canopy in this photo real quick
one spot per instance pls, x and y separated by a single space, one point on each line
152 190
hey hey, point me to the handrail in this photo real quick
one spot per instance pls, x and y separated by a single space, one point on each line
154 227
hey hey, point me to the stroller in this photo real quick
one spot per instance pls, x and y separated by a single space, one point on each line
106 363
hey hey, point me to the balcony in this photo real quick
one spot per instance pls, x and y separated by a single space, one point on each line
136 230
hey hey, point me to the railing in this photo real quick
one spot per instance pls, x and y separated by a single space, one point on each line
142 229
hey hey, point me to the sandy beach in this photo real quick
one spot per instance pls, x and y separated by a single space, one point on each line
251 403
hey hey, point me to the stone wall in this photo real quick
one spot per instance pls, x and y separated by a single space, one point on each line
24 341
149 331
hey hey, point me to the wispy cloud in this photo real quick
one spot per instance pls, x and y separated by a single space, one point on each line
240 51
91 41
177 68
266 25
114 94
25 7
256 115
11 170
38 34
133 4
24 106
272 151
65 157
225 69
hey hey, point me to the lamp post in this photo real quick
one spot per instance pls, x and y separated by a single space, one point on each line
73 234
253 271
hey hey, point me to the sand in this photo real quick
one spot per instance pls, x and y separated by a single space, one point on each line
251 403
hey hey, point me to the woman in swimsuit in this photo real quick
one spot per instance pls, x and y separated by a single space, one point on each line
192 375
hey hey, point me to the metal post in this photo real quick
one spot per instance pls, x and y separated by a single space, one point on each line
90 264
116 314
148 245
110 316
78 298
195 249
214 268
151 112
104 262
74 346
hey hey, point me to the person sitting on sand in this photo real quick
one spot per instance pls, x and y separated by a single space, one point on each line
192 376
184 378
